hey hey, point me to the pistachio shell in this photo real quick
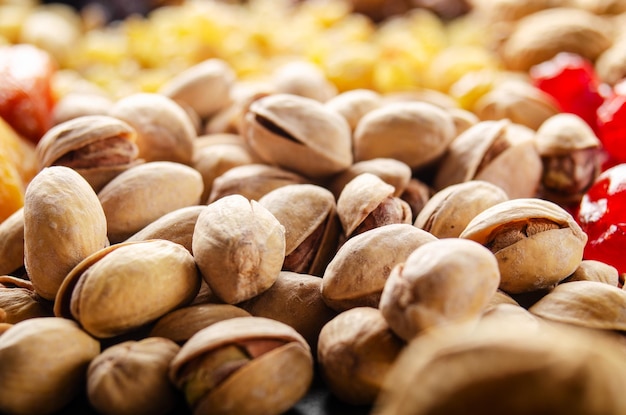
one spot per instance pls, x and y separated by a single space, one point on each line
392 171
239 247
354 104
528 229
357 274
144 193
589 304
63 223
19 302
43 362
563 133
12 242
80 103
591 270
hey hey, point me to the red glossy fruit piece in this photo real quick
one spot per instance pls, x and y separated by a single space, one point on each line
602 216
612 124
26 98
572 81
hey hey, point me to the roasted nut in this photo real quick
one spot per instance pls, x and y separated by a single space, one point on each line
113 384
303 78
521 230
448 211
296 300
245 365
611 64
142 194
357 274
354 104
590 304
444 282
571 156
416 133
309 216
179 325
12 242
367 202
540 36
43 362
601 6
498 152
503 368
63 223
298 134
392 171
591 270
205 86
239 247
79 104
356 351
176 226
20 302
128 285
165 131
416 194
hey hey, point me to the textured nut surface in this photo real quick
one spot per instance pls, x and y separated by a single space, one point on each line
12 242
592 270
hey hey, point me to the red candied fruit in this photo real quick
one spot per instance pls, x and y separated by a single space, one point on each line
612 124
571 80
602 216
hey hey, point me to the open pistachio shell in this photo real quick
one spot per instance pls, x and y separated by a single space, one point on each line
63 223
245 365
519 232
130 284
354 104
43 363
20 302
392 171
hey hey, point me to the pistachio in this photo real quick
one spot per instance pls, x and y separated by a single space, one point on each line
392 171
357 274
298 134
165 131
239 247
308 214
448 211
303 78
442 282
245 365
179 325
113 386
12 242
144 193
591 270
354 104
416 194
43 363
416 133
63 223
521 230
20 302
78 104
499 152
589 304
601 6
356 351
128 285
611 64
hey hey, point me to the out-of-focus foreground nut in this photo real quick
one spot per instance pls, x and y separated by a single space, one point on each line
245 365
132 378
356 349
239 247
519 232
63 223
43 365
443 282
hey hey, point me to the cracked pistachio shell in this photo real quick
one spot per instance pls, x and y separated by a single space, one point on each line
356 351
449 210
611 64
296 300
63 223
239 247
536 242
357 274
205 86
564 133
20 302
416 133
165 131
540 36
591 270
367 201
416 195
142 194
128 285
99 147
252 181
113 386
392 171
179 325
176 226
298 134
444 282
511 369
12 242
275 371
43 362
499 152
308 213
589 304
